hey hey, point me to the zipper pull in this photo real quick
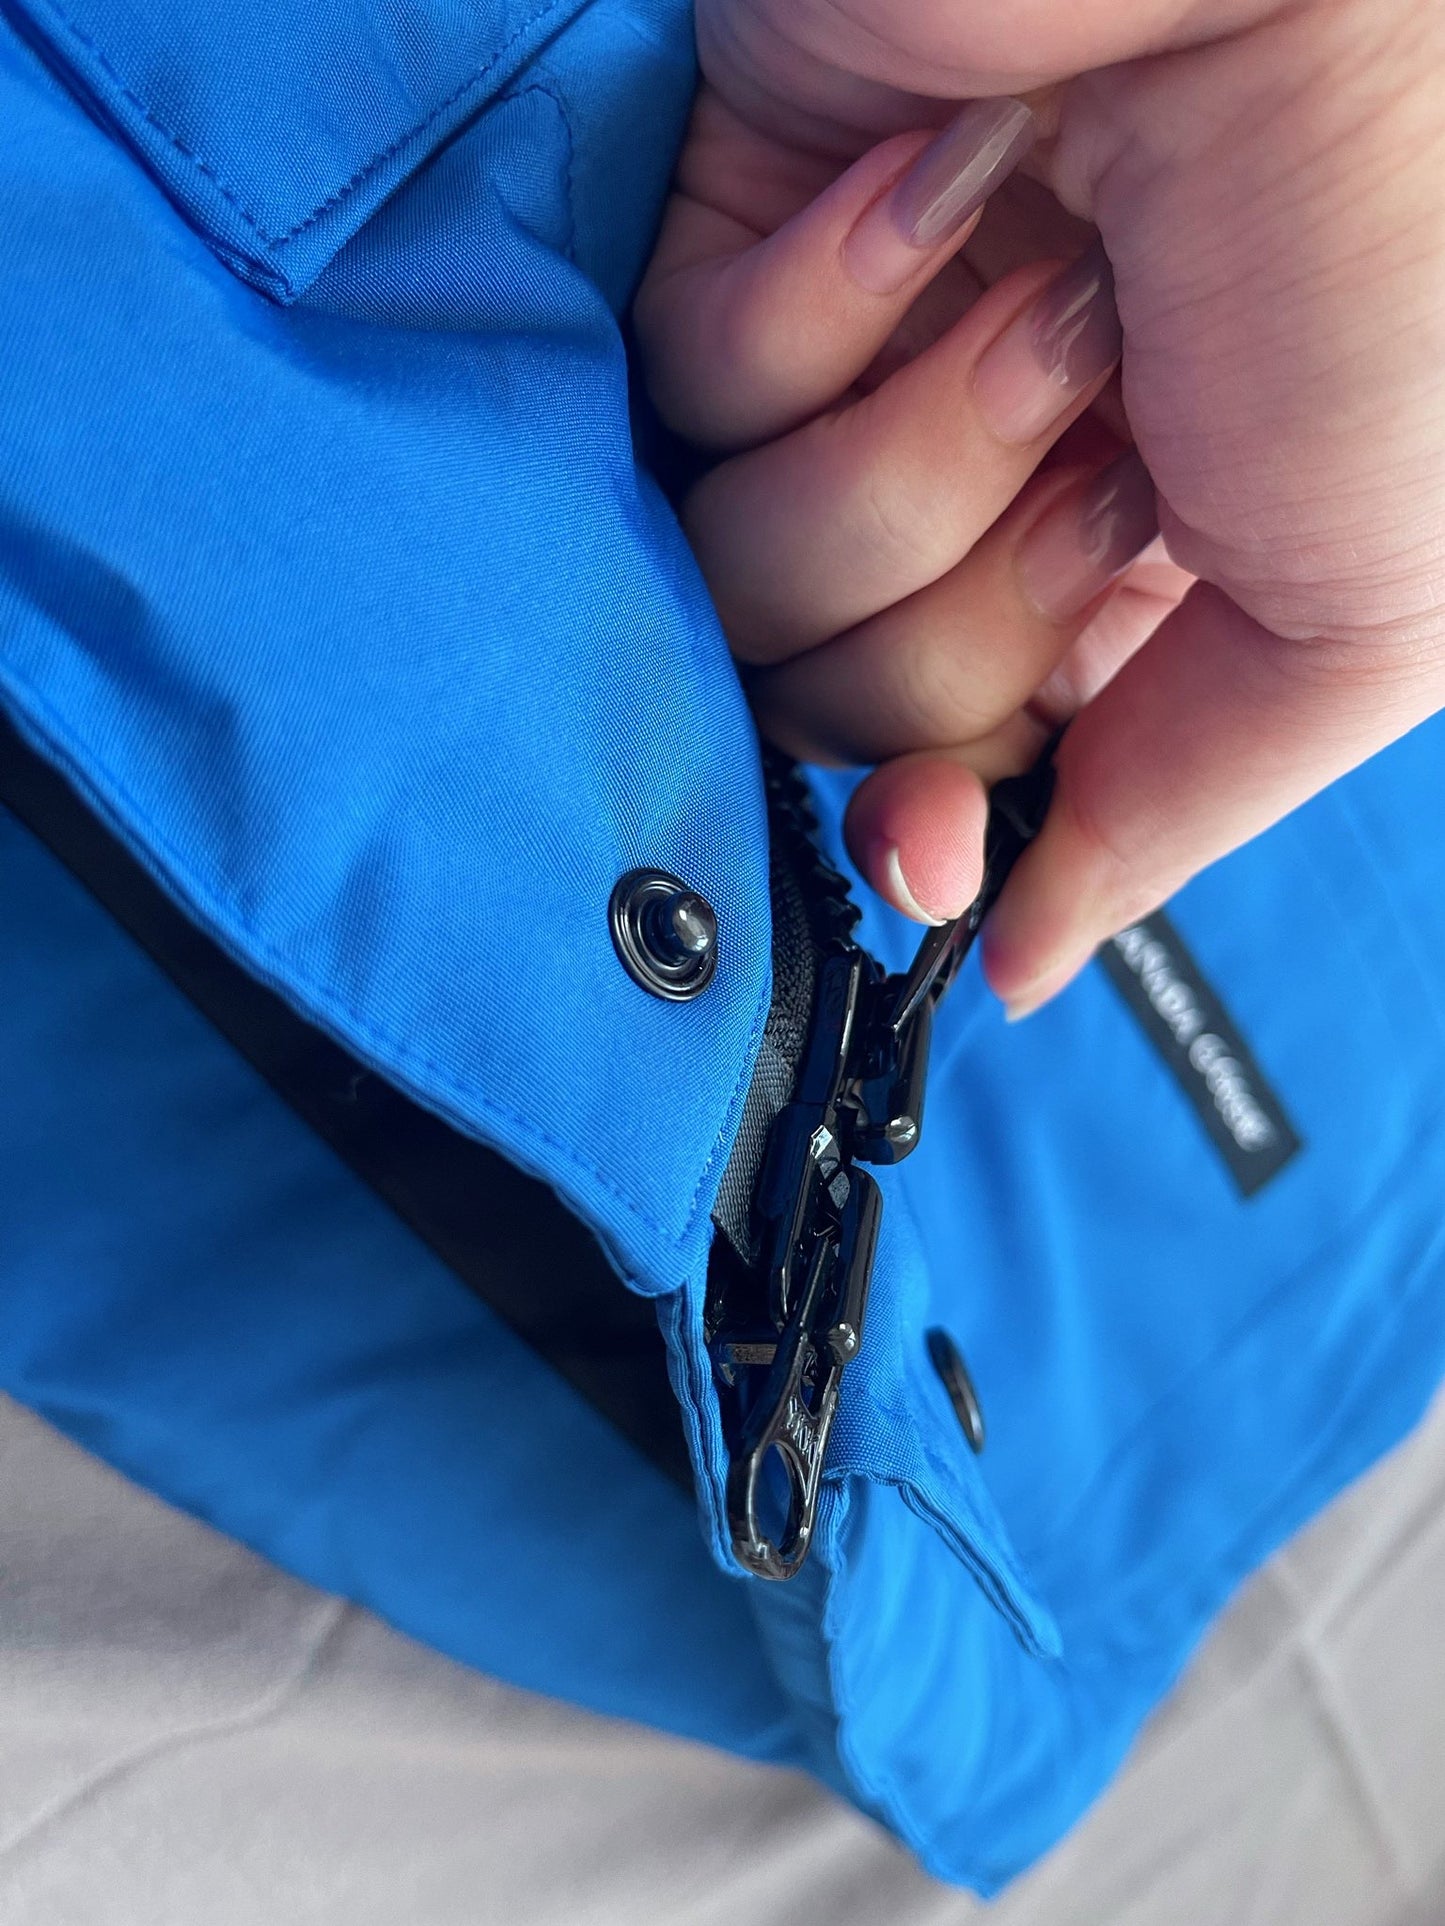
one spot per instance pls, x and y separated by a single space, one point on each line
889 1094
1016 810
798 1315
806 1324
777 1465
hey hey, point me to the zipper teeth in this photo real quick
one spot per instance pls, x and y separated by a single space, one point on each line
796 1303
813 916
828 900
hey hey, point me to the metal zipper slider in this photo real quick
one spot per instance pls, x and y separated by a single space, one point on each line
805 1323
782 1332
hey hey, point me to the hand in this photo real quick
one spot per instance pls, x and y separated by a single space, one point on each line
934 556
1267 179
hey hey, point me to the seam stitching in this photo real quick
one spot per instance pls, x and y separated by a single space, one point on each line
380 158
128 93
229 195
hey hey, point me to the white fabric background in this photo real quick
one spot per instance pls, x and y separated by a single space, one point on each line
189 1738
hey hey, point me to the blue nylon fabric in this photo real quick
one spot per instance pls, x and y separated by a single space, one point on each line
278 129
196 1289
348 610
356 620
897 1430
1174 1379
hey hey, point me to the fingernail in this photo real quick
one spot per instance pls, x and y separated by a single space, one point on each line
1062 342
1084 539
1024 1003
1024 1006
945 186
897 888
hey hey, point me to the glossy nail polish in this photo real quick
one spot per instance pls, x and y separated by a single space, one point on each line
942 190
1062 343
1086 537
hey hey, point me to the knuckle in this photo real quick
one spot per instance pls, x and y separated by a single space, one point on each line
905 525
940 694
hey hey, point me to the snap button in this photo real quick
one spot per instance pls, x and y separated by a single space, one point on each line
948 1362
664 933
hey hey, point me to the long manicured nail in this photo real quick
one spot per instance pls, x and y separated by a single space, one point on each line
1087 537
1061 344
944 188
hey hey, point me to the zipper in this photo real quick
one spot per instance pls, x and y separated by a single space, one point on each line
840 1086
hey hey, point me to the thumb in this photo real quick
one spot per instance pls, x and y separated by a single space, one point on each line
1213 732
746 333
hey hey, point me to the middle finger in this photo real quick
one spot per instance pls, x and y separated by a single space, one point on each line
812 534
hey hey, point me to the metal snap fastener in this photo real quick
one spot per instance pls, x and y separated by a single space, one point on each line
947 1361
664 932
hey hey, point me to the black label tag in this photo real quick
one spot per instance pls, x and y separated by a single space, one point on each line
1193 1032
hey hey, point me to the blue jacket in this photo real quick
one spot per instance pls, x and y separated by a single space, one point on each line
331 583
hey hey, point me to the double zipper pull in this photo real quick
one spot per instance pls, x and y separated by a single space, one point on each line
782 1330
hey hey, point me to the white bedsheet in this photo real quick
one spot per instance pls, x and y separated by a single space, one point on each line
189 1738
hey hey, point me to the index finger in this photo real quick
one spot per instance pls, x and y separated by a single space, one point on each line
746 334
